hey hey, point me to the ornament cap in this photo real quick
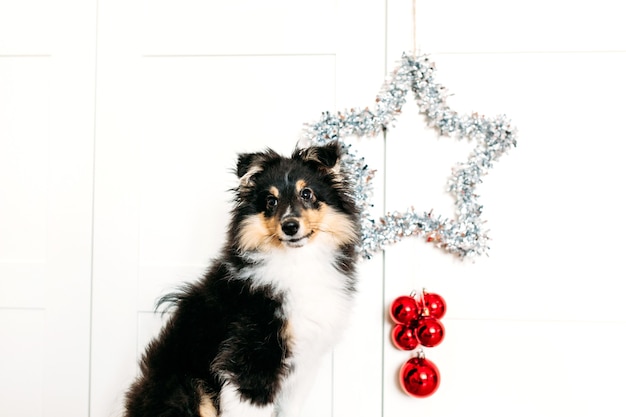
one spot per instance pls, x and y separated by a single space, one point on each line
419 354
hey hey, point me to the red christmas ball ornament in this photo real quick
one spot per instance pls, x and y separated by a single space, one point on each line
419 377
404 310
434 303
429 331
404 337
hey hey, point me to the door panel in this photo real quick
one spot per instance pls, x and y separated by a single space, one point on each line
178 99
47 77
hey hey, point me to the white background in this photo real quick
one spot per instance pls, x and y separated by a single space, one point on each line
120 121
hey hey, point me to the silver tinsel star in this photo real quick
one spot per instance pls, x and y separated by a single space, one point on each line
462 236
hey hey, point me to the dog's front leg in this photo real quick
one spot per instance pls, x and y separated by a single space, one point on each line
296 390
233 404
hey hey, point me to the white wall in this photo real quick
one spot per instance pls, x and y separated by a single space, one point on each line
120 121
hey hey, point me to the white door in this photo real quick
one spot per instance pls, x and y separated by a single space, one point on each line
47 75
183 87
520 338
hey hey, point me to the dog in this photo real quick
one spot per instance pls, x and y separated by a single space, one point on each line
247 338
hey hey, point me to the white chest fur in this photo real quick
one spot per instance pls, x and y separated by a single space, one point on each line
317 303
317 308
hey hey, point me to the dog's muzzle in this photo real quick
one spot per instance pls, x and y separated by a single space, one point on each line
295 234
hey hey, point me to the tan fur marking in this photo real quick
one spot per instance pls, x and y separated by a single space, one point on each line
274 191
287 334
328 220
272 225
257 232
300 184
206 408
313 220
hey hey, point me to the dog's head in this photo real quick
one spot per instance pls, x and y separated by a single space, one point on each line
291 202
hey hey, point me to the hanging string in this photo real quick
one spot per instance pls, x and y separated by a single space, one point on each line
414 30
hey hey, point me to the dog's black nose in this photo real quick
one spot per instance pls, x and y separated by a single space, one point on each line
290 227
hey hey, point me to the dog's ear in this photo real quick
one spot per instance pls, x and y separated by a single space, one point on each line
250 164
326 157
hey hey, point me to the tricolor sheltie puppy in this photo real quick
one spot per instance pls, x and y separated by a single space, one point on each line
246 340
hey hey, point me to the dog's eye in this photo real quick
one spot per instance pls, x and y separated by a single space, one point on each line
271 202
306 194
